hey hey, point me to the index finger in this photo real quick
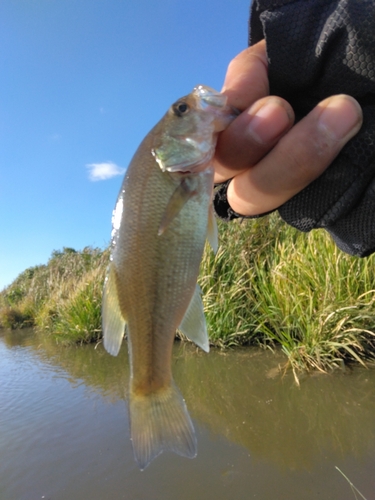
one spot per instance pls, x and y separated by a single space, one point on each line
246 80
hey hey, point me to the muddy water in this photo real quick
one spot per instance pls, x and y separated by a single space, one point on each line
64 428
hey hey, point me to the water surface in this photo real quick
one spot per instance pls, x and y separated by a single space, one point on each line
64 429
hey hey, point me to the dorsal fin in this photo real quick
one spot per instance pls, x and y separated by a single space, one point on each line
193 324
212 231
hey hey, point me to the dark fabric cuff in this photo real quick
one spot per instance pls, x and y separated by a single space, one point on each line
222 208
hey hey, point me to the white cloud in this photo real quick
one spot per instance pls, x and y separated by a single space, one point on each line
55 137
103 171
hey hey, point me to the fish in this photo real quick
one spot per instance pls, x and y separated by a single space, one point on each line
162 218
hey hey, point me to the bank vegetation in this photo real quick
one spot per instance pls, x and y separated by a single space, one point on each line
267 285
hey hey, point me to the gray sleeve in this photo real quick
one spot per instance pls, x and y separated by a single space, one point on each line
317 49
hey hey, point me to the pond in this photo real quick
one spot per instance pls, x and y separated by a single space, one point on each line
64 429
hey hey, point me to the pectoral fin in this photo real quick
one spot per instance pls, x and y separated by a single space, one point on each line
194 323
183 192
113 322
212 232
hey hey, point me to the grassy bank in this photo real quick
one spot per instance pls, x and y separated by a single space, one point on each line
62 297
268 284
271 284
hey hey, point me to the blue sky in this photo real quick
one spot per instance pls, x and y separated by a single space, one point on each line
81 84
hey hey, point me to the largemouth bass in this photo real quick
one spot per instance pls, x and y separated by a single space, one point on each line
160 223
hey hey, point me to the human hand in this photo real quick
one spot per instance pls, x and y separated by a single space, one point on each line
269 159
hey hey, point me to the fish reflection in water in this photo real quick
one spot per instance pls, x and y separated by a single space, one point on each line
297 439
161 220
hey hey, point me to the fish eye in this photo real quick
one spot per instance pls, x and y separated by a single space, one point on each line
180 108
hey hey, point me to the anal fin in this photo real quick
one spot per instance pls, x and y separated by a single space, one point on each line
113 322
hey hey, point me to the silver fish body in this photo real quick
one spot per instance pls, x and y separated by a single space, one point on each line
161 220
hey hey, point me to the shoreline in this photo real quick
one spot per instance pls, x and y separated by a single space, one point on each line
268 285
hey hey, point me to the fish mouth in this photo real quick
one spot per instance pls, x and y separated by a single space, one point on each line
207 97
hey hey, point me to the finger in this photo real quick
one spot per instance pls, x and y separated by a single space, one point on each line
246 79
298 158
251 135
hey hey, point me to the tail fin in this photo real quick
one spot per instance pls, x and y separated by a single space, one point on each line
160 421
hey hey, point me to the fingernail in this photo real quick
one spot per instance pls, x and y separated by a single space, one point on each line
341 117
269 121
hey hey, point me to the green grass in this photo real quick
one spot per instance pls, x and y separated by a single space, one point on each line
79 316
62 297
270 284
267 285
